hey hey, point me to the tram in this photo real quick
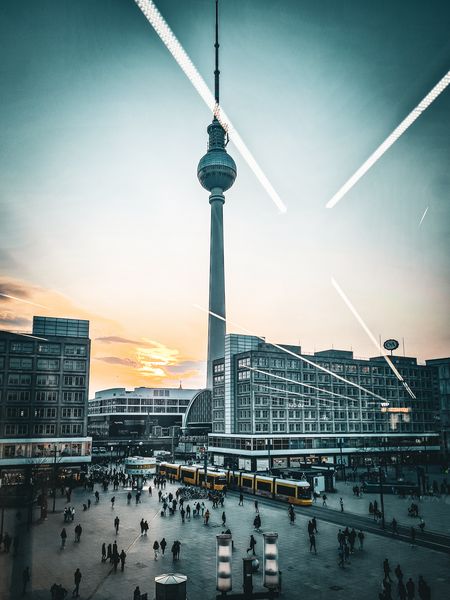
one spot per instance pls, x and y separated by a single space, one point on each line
287 490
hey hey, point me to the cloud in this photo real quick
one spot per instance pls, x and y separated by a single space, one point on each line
9 319
190 366
115 339
116 360
13 288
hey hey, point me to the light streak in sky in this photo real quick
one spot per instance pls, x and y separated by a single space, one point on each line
22 300
299 356
319 400
307 385
423 216
371 336
391 139
31 336
159 24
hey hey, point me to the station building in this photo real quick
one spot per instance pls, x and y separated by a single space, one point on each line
290 408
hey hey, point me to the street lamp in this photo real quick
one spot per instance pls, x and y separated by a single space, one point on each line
268 454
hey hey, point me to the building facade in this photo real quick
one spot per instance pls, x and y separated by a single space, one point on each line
284 406
44 381
442 367
139 413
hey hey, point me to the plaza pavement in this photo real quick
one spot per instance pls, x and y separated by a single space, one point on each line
304 575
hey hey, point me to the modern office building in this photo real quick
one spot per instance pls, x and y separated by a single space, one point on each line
119 413
44 381
290 407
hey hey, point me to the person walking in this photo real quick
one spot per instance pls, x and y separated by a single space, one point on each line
386 569
103 552
206 517
156 548
401 590
77 580
361 539
252 545
314 523
25 579
341 502
63 536
97 497
163 545
256 507
398 572
312 543
113 499
241 499
129 496
109 553
324 500
122 557
78 531
116 524
116 560
224 519
182 513
410 589
394 526
174 551
137 593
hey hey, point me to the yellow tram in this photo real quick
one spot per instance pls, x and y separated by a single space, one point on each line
288 490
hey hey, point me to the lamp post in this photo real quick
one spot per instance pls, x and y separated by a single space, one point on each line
54 477
268 454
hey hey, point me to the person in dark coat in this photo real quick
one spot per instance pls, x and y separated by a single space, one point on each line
163 545
77 580
122 557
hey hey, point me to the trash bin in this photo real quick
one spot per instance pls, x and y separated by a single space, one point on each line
170 586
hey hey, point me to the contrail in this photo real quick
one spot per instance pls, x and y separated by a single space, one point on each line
299 356
371 336
391 139
22 300
423 216
159 24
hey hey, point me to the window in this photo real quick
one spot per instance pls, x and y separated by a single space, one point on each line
16 412
49 348
220 368
15 429
75 350
44 429
46 396
75 380
72 412
76 365
73 396
47 380
21 363
243 375
21 347
45 413
18 396
243 363
47 363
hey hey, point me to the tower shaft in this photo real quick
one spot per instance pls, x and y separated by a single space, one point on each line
216 327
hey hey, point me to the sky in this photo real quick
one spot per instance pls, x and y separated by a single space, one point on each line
102 216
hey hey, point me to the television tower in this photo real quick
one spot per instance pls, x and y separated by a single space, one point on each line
216 172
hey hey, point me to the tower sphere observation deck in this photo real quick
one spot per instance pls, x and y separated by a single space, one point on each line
216 168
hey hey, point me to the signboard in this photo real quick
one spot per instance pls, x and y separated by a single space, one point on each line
218 460
245 464
391 345
262 464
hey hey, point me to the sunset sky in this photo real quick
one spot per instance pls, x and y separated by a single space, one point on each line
102 216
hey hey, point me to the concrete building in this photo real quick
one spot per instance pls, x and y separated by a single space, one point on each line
216 172
44 381
137 414
325 407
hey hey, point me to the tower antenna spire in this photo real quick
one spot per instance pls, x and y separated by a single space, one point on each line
216 46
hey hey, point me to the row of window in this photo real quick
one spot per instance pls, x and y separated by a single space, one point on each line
24 412
43 396
50 348
47 364
42 429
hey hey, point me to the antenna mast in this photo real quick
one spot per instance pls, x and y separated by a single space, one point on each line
216 46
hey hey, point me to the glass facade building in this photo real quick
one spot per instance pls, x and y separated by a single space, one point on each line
324 405
44 381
